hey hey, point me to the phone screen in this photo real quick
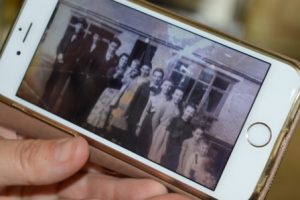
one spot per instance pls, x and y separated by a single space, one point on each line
167 94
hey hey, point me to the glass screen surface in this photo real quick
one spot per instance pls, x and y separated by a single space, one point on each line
162 92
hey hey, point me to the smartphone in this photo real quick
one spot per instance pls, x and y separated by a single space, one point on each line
153 89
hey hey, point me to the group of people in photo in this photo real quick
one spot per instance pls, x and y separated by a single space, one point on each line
127 101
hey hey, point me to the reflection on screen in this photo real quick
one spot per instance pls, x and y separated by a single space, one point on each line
167 94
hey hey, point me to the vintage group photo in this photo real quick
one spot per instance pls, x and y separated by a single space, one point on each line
166 94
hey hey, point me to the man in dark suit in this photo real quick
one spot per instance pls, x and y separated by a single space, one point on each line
91 77
67 54
116 74
139 102
86 62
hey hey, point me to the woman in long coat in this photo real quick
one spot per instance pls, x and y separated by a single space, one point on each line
150 118
160 135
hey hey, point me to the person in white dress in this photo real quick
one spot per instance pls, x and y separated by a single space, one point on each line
97 119
151 117
189 147
195 163
160 134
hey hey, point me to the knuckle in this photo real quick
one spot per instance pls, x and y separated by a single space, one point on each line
26 157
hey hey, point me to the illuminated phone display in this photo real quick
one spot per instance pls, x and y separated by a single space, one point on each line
167 94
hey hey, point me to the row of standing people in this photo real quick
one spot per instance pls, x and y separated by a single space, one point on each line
146 117
137 102
81 71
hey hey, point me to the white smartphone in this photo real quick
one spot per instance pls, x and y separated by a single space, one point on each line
199 110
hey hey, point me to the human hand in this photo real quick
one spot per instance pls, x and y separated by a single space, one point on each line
37 169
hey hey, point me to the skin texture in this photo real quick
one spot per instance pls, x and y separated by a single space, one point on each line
58 169
156 78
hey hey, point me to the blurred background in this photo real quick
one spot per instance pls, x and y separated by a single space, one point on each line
271 24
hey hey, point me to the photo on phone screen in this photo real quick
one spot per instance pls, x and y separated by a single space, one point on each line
162 92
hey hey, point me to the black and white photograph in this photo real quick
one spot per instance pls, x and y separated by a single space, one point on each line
162 92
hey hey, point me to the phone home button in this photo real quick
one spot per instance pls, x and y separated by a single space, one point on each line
259 134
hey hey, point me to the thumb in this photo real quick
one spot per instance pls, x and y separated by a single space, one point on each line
39 162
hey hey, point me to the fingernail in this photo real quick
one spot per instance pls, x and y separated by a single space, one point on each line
63 149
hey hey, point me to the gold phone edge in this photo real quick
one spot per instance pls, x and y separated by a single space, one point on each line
284 137
277 154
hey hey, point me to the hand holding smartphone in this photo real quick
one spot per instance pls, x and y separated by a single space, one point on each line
210 112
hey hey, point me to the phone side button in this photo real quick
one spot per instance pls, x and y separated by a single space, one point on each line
259 134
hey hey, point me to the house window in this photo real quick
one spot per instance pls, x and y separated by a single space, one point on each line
209 91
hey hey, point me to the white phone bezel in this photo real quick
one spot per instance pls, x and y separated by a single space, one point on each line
234 183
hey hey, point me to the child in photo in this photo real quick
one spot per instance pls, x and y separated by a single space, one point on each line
189 147
198 164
